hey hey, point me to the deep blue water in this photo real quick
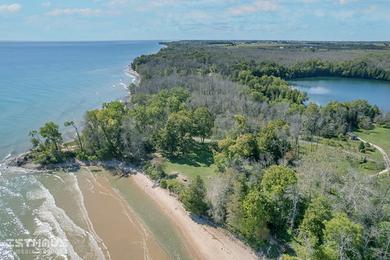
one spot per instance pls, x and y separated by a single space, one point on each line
59 82
324 90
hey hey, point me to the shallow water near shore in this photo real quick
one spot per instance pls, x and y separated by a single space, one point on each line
89 214
80 215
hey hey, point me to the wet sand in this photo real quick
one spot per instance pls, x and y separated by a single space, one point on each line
209 242
115 223
130 218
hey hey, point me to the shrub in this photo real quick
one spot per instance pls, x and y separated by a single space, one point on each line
155 170
173 186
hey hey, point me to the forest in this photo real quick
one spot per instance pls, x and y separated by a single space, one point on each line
231 103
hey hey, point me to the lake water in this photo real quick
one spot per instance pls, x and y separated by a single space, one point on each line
59 82
324 90
65 211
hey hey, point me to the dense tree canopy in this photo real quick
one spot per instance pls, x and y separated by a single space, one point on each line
233 97
47 144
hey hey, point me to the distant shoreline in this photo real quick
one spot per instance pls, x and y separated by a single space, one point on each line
204 241
135 75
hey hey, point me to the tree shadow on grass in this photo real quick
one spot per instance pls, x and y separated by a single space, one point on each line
198 156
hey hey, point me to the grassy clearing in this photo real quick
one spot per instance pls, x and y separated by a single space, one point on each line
199 162
352 146
379 136
344 155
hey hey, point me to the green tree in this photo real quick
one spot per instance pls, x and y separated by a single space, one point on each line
133 141
80 142
194 198
342 238
383 240
255 217
234 210
47 144
244 147
240 124
50 131
176 137
311 230
204 122
154 170
110 121
276 180
311 119
313 222
275 185
272 142
103 129
362 147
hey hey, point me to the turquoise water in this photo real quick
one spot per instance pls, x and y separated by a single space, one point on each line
324 90
59 82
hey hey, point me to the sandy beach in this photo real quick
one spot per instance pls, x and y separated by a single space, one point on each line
209 242
135 75
115 223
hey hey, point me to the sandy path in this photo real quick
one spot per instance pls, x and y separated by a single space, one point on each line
115 223
385 157
211 243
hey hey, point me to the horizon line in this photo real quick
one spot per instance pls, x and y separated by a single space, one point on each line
193 40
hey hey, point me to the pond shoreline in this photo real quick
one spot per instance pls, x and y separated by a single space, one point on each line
323 90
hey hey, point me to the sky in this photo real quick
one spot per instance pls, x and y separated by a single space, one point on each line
86 20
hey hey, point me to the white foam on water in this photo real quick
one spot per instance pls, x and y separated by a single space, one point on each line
57 177
123 85
17 222
6 252
6 157
5 169
62 224
94 239
130 75
4 191
51 221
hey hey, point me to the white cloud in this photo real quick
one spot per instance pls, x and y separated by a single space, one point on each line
342 2
257 6
74 11
46 4
11 8
118 2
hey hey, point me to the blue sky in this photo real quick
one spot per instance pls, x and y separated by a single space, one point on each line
57 20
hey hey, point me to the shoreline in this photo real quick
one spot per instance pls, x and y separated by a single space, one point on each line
209 242
128 237
203 240
135 75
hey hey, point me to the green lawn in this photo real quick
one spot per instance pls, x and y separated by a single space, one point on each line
206 172
379 136
199 162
